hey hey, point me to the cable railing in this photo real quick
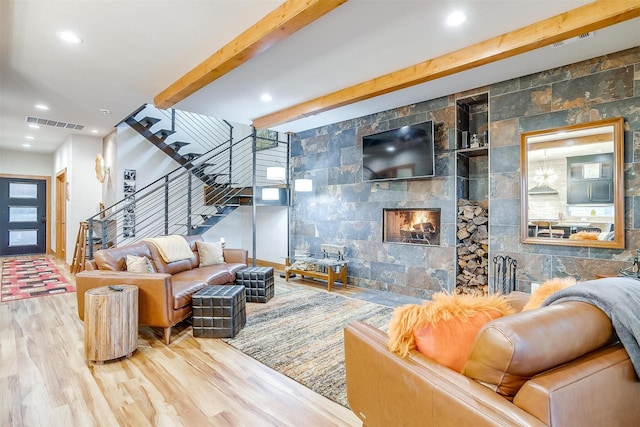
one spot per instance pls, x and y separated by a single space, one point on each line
200 131
192 198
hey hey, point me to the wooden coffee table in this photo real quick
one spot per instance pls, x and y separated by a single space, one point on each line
335 270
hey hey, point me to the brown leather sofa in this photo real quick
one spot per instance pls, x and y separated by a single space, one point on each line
164 298
554 366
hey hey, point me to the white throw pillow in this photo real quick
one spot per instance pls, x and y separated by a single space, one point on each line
210 253
139 264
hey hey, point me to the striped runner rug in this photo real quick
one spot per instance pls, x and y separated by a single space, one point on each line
29 277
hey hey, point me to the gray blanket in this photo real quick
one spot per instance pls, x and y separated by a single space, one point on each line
619 298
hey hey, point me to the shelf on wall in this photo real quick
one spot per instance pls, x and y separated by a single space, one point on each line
473 152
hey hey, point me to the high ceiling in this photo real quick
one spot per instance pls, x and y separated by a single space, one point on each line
133 50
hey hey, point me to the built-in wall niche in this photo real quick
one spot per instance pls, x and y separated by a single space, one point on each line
420 226
472 136
472 191
472 118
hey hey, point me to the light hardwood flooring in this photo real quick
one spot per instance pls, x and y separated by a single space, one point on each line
45 381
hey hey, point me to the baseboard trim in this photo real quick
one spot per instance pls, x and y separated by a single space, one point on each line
262 263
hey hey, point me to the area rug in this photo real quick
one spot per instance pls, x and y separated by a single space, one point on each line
31 277
300 334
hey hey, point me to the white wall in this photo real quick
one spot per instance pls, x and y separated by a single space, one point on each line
26 163
132 151
271 232
109 153
78 154
135 152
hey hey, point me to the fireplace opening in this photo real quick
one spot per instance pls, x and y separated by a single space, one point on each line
419 226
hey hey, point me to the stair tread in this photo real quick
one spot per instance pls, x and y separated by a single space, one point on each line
148 121
163 133
178 145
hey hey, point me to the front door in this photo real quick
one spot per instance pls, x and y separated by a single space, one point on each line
23 216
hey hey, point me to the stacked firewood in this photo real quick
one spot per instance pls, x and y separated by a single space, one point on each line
473 248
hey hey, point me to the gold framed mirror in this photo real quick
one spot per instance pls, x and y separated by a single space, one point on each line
572 186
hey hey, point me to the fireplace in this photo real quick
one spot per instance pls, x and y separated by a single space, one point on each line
411 225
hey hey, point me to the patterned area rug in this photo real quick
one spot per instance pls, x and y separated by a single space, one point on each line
300 334
31 277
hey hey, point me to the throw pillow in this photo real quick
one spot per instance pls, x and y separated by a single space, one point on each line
139 264
546 289
210 253
444 329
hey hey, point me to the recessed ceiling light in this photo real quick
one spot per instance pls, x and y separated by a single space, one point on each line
41 107
69 37
94 130
26 145
32 126
265 97
30 137
105 111
456 18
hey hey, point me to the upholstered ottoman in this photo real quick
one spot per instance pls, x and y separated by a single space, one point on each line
258 283
218 311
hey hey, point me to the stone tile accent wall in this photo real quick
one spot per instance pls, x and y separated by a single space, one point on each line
343 209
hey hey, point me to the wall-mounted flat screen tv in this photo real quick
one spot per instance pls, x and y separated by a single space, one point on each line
403 153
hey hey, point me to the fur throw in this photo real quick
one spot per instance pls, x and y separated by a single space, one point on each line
547 289
584 235
444 306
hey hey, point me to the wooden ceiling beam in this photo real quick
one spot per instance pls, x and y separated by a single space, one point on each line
279 24
591 17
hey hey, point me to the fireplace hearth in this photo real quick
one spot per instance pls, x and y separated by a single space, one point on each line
420 226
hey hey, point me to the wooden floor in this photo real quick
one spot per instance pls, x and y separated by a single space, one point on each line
45 381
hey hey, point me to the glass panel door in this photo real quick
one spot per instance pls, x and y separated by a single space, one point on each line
23 216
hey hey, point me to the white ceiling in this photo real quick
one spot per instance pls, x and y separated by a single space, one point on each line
134 49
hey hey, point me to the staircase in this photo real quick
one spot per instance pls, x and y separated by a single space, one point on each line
216 174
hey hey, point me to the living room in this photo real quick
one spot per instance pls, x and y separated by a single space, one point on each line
344 209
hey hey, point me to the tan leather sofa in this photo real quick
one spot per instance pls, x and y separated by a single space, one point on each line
164 298
554 366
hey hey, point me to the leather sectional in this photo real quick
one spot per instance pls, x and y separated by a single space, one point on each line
164 297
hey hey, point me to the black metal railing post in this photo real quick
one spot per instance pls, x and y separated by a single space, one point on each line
166 205
89 238
231 150
254 153
189 191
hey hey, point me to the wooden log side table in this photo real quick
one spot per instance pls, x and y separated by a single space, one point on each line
110 322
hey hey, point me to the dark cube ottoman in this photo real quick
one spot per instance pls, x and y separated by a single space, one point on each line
218 311
258 283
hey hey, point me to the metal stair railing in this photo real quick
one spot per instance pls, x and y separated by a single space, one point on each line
200 131
189 199
166 206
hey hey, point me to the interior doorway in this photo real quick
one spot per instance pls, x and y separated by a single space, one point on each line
61 214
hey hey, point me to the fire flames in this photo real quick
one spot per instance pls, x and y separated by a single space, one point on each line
419 221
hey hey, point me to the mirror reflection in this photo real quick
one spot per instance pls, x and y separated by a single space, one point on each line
572 185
